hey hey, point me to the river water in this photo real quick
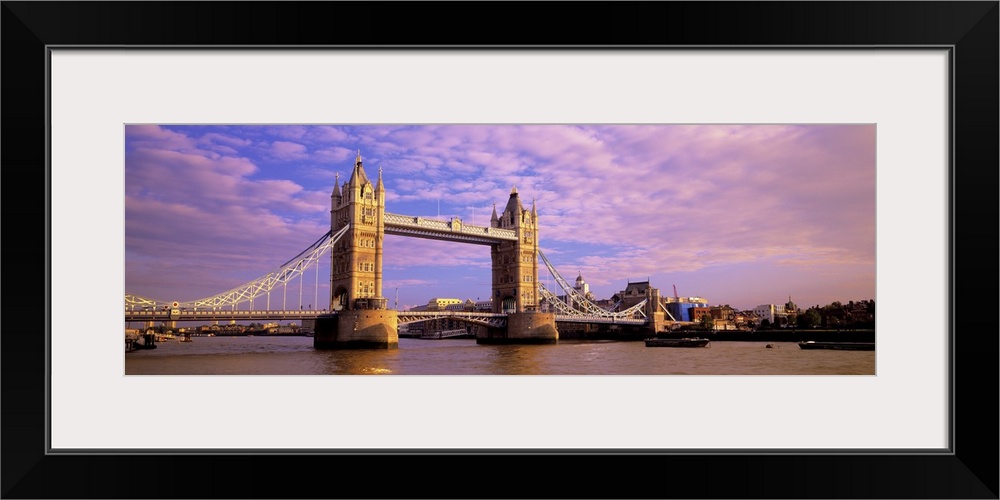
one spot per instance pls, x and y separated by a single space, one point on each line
272 355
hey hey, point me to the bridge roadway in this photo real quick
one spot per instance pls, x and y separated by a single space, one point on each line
479 318
482 318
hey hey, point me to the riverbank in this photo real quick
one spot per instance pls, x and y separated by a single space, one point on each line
785 335
788 335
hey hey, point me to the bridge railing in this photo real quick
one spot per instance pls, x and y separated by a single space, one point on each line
608 320
491 319
238 312
238 315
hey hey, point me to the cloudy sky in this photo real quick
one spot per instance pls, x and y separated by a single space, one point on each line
739 215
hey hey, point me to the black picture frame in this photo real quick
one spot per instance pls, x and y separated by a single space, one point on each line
969 28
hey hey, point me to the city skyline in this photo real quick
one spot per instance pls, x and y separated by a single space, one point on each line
738 214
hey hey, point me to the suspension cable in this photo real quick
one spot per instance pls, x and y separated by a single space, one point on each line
249 291
587 306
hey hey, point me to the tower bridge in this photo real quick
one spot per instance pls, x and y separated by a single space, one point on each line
357 316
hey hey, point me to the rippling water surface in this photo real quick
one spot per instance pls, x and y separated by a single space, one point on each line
296 356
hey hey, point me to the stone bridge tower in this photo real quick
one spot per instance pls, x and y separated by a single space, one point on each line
362 320
515 263
515 280
356 260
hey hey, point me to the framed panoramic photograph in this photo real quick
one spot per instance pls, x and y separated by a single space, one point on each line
414 250
727 249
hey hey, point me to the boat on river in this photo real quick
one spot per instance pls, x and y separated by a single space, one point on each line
685 342
838 346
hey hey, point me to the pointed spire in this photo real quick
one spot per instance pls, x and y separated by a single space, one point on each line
336 186
534 211
379 187
358 177
494 218
514 207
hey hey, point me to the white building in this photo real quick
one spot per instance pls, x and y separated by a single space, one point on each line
770 312
581 287
437 304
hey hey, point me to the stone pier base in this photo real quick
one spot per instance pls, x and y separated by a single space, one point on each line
357 329
522 328
657 322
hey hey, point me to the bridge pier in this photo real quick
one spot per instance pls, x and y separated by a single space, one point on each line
657 322
357 329
522 328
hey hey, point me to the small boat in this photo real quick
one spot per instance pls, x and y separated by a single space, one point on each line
447 334
685 342
839 346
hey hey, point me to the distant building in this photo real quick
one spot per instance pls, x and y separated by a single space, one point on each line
860 312
605 304
791 311
745 320
699 312
681 308
582 288
634 292
468 305
776 314
438 304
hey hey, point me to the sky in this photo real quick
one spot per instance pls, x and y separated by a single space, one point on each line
742 215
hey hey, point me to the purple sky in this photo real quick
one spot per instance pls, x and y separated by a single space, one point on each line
739 215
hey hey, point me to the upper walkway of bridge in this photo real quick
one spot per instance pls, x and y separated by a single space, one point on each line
452 230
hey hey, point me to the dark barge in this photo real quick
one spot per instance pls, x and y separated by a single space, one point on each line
685 342
839 346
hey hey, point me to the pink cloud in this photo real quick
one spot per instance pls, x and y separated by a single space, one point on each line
284 150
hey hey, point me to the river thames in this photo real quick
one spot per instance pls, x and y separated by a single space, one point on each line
293 355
